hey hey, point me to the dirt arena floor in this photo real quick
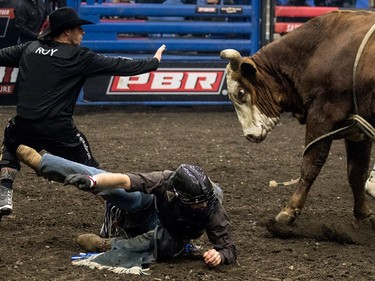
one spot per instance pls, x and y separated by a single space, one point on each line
37 241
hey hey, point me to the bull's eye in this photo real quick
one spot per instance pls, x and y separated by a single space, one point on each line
241 95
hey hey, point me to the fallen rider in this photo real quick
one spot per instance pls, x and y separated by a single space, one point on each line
187 204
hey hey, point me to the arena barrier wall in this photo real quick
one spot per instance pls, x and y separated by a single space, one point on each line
191 71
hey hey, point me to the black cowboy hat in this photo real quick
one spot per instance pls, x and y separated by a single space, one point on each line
60 20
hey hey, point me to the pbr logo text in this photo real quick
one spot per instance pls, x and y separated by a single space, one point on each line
170 81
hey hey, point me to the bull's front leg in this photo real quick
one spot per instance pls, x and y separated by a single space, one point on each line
358 160
313 161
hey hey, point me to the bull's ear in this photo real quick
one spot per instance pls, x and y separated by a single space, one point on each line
248 68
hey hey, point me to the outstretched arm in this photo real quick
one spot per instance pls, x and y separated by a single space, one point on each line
99 181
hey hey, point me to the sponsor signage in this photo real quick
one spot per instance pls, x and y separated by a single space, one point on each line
166 84
282 27
206 10
8 76
175 84
6 15
169 82
8 31
231 10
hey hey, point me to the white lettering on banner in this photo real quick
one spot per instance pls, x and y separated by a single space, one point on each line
206 81
44 52
293 26
209 10
5 12
123 82
169 81
6 89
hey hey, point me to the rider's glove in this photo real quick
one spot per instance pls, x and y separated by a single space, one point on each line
83 182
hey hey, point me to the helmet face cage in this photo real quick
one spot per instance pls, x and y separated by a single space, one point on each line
188 182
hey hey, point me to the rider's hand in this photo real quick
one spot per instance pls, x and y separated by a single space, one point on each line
212 258
83 182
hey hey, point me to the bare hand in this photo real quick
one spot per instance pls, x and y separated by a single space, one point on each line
159 52
212 257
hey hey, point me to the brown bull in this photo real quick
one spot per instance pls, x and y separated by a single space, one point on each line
309 72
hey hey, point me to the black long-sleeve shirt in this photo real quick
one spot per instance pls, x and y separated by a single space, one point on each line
217 226
51 75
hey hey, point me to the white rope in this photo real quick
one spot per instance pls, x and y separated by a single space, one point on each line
358 56
364 126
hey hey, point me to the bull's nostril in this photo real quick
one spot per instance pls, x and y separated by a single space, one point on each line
255 138
252 138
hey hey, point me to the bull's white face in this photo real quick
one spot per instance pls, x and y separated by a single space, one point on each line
255 124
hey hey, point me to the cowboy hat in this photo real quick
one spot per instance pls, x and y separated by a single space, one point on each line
60 20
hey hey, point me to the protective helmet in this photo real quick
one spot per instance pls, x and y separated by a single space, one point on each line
192 185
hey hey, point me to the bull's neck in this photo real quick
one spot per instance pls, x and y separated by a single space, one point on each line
282 72
281 63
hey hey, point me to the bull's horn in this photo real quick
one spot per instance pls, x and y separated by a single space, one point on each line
233 56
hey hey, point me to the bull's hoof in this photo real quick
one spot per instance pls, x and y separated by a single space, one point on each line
287 218
367 222
284 218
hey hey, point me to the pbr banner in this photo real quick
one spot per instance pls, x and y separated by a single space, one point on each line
178 82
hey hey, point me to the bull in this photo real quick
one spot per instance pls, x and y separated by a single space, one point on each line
323 73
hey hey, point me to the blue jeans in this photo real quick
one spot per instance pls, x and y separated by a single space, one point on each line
56 168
